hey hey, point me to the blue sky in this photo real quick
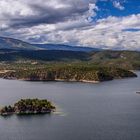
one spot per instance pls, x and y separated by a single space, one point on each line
105 24
107 8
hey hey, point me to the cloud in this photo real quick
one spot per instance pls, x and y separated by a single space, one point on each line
118 5
92 11
106 33
68 22
24 13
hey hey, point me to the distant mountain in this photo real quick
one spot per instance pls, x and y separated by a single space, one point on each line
65 47
17 50
10 43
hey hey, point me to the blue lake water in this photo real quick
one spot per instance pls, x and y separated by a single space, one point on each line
104 111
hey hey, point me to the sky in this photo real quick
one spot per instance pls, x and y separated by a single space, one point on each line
107 24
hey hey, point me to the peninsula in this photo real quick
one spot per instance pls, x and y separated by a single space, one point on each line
64 72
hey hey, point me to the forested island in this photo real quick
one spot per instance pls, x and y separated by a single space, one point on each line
27 107
79 72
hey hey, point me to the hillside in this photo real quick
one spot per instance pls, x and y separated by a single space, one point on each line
10 43
42 55
122 59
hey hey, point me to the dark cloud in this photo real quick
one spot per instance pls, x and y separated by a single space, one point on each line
47 15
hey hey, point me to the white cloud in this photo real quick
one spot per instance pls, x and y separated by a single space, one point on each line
118 5
92 11
13 8
59 21
107 33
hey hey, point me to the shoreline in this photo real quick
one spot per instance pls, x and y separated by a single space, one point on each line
70 79
62 80
73 80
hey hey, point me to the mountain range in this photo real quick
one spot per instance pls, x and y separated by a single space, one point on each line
10 43
13 50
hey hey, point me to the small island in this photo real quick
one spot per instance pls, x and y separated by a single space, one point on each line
28 107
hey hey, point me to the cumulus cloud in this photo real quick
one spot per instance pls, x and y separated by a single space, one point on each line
68 22
106 33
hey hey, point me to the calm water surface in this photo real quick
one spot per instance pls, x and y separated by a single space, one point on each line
104 111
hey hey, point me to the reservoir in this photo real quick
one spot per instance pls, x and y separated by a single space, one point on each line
85 111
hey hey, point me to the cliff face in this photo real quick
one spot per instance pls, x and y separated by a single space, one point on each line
69 73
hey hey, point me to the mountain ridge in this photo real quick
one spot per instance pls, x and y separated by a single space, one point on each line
66 47
11 43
